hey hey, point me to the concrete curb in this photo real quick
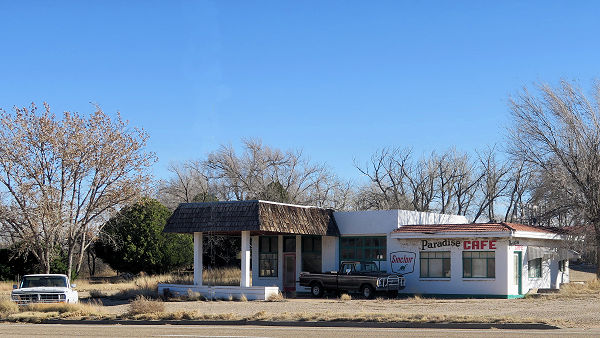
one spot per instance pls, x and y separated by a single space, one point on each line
402 325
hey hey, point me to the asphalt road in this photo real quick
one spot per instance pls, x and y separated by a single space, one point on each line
99 330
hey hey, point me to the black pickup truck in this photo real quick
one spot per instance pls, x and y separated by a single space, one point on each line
363 277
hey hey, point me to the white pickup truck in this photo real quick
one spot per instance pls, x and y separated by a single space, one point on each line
44 288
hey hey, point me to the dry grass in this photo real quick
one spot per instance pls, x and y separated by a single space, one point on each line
572 290
222 276
8 307
328 317
345 297
142 305
92 309
37 312
147 285
6 286
276 297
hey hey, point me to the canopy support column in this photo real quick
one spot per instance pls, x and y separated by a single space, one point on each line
198 258
245 279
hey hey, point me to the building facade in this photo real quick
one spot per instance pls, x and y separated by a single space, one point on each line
439 255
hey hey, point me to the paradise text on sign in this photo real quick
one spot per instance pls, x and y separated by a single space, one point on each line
479 245
425 244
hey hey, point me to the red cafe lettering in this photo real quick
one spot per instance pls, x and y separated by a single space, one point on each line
479 245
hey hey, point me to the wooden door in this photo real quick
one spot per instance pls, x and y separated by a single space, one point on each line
289 272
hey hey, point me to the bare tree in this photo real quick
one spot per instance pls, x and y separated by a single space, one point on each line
262 172
444 183
188 183
494 183
387 172
557 131
63 178
519 187
466 184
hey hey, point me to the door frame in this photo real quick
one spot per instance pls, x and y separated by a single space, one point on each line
289 288
519 254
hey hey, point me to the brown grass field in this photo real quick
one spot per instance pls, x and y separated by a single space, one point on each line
576 305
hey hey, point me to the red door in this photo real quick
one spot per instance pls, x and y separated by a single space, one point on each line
289 272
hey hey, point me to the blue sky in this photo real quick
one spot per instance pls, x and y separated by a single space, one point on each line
338 79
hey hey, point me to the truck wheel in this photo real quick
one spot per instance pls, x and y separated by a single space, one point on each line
316 290
367 291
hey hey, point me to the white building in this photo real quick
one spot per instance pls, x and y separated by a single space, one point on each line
438 254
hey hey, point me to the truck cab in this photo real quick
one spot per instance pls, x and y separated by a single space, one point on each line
354 276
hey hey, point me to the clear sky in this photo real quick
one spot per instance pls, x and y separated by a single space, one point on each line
338 79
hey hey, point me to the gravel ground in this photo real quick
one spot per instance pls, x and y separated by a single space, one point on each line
565 312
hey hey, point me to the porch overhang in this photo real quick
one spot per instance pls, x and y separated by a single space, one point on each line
258 217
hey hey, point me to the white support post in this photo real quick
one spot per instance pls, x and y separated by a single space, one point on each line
198 258
245 280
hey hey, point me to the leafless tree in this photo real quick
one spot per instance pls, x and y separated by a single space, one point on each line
557 131
263 172
518 190
188 183
387 172
494 183
63 178
444 183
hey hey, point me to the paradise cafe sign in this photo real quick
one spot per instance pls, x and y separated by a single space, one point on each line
480 244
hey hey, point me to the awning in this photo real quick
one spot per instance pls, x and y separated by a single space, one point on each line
534 252
258 217
568 254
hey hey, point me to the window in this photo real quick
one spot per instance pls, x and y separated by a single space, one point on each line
289 244
435 264
534 268
267 257
479 264
363 248
311 254
562 265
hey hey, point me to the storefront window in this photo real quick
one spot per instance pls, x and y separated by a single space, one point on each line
363 248
267 257
311 254
435 264
479 264
534 268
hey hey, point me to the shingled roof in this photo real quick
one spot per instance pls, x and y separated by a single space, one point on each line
474 227
256 216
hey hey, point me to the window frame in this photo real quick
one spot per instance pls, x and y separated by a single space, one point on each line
534 270
362 247
269 254
445 261
487 263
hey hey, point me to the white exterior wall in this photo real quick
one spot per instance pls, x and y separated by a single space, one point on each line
456 284
551 278
330 253
267 281
329 260
384 221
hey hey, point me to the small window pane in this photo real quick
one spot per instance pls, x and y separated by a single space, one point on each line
479 264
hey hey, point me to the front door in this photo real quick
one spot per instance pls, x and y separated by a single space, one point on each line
518 270
289 272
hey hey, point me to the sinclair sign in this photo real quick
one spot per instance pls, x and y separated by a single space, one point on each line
403 261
